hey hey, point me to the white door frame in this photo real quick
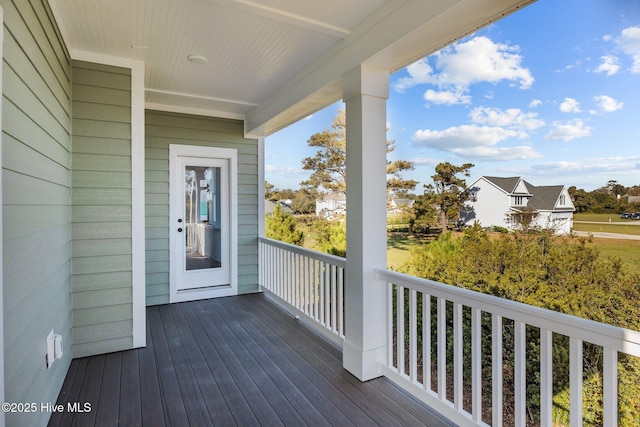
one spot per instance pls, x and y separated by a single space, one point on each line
175 212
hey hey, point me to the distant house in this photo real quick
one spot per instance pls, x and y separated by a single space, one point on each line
399 204
633 199
496 201
270 207
331 206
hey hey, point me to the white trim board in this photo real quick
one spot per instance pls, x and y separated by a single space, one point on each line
2 422
138 256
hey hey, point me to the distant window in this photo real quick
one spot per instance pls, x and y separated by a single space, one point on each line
562 200
518 201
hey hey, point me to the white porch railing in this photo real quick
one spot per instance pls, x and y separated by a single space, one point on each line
309 281
464 321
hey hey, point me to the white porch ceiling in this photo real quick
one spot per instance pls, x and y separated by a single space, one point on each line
270 62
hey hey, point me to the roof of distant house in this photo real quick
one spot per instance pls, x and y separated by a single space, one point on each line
543 197
507 184
270 207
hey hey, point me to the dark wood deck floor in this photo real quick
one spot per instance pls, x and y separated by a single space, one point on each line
231 361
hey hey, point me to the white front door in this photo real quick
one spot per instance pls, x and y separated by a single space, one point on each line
202 226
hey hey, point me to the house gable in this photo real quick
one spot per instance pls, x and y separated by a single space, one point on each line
521 188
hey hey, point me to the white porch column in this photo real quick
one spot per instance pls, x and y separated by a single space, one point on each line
365 91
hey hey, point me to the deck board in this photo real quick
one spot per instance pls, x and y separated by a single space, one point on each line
231 361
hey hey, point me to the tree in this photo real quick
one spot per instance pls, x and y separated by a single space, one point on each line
447 192
582 200
269 191
329 165
282 226
332 237
615 188
304 202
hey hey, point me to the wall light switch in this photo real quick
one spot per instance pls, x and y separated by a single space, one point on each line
57 346
50 349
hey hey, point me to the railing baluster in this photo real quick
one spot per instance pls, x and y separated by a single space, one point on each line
290 278
307 287
520 372
442 348
457 356
321 296
413 336
575 382
390 327
334 299
426 341
546 377
610 387
496 369
400 329
316 286
476 364
326 301
341 301
280 283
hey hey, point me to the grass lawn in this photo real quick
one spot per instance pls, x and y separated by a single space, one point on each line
597 217
627 250
399 250
608 228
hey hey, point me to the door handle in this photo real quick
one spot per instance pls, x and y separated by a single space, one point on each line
180 230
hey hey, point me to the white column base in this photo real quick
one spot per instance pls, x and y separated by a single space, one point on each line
363 364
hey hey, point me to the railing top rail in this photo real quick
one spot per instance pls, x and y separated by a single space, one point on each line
331 259
620 339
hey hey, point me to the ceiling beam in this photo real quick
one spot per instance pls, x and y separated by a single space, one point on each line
284 16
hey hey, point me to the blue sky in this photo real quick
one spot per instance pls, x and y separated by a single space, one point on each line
550 93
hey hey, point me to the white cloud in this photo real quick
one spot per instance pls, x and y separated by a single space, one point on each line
566 131
609 66
481 60
475 142
570 105
607 104
463 64
446 97
286 172
587 166
535 103
420 72
512 118
629 43
425 161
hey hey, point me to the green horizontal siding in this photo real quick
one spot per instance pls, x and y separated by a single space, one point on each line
36 197
101 197
163 129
